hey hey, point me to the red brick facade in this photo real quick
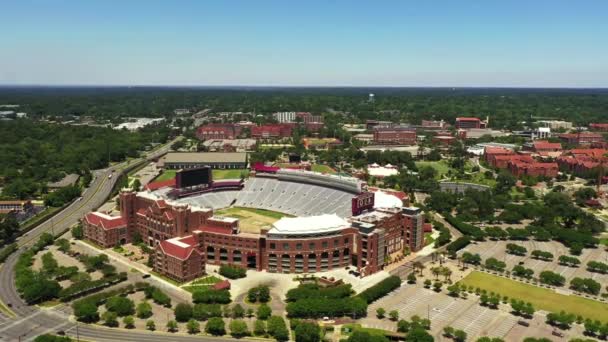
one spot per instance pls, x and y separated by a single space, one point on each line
218 131
185 238
394 136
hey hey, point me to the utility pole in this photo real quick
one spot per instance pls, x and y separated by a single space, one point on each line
77 333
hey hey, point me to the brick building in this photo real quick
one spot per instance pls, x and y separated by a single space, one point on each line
469 122
272 131
582 138
218 131
187 237
583 162
394 135
601 127
495 156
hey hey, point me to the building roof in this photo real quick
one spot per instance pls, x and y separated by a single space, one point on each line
465 118
205 157
382 171
385 200
545 145
105 221
325 223
180 248
161 184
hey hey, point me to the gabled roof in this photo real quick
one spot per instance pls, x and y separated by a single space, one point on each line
180 248
545 145
105 221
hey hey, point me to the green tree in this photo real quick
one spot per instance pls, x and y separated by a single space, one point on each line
150 325
380 312
183 312
308 332
129 322
144 310
238 328
264 312
193 326
259 327
215 326
172 326
110 319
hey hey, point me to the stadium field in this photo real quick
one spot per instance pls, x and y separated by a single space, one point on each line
252 220
166 175
229 174
541 298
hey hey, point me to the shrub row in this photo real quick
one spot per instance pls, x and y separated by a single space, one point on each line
211 296
315 291
458 244
330 307
465 228
381 289
7 251
88 286
232 271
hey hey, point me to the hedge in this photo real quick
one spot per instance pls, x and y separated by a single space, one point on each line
465 228
85 287
232 271
305 291
458 244
321 307
381 289
211 297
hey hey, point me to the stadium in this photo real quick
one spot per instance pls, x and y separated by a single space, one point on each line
277 220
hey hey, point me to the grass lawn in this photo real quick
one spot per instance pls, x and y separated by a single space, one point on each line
428 239
229 174
322 168
541 298
604 241
479 178
351 327
166 175
440 166
208 280
251 220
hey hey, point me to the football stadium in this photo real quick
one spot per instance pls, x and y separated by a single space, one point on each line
277 220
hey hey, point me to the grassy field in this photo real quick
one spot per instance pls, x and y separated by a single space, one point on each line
428 239
251 220
229 174
201 284
440 166
541 298
322 168
166 175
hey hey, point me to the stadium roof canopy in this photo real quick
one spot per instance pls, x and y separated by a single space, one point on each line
308 225
384 200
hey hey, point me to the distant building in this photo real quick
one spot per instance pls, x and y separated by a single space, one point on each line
137 123
229 145
443 140
547 149
394 135
181 111
555 124
583 162
434 124
272 131
284 117
17 206
581 138
370 124
218 131
216 160
378 171
536 133
602 127
469 122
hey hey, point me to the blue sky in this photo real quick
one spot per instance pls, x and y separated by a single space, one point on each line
523 43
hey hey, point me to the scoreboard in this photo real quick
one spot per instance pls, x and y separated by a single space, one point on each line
362 202
193 177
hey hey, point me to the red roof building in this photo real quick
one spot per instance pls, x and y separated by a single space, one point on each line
218 131
602 127
180 258
582 162
105 230
534 169
582 138
495 156
275 131
469 122
394 136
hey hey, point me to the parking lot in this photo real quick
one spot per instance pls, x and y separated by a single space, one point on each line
465 314
497 249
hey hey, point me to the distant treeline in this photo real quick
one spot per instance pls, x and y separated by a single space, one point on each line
34 153
507 108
